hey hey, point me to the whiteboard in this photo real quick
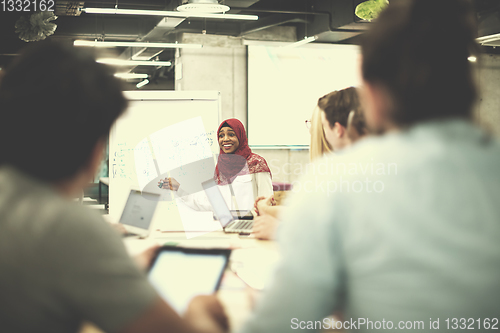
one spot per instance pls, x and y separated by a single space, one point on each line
160 131
284 85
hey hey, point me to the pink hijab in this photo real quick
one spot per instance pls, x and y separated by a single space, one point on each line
242 161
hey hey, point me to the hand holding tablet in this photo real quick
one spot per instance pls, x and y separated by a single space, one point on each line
180 274
207 314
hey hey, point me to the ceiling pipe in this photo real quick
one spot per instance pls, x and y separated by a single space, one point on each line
274 11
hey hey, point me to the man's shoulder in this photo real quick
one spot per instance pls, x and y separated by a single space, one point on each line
438 153
367 152
424 145
35 210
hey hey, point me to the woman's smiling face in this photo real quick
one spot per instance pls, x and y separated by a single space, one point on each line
228 141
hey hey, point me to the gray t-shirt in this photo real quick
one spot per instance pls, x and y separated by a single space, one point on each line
61 264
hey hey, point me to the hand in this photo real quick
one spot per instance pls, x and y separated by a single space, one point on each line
206 314
255 204
261 203
264 227
169 184
119 228
143 259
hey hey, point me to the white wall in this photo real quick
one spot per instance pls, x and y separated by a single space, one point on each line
286 165
488 106
220 65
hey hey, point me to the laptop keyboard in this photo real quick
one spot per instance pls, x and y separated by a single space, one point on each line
243 225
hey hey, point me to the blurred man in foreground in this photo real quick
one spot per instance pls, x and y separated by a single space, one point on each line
60 264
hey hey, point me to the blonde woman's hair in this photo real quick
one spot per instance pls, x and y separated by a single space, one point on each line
319 146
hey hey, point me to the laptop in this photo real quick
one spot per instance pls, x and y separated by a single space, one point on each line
242 214
228 222
138 213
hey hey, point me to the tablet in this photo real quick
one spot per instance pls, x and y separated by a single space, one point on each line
180 274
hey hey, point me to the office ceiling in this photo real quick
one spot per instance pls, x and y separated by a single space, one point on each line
333 21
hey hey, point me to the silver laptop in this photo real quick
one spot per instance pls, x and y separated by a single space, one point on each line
222 212
138 213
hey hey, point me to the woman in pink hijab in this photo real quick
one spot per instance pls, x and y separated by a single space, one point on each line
241 175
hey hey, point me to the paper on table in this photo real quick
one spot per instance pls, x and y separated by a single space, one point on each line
196 223
255 266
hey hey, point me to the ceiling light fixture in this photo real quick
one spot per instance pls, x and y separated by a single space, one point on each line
97 43
131 76
203 6
142 83
168 13
488 39
120 62
140 56
306 40
472 59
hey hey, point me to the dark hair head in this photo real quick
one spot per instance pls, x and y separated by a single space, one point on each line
56 103
418 51
338 104
356 125
224 124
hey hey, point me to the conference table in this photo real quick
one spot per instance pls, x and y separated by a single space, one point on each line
251 265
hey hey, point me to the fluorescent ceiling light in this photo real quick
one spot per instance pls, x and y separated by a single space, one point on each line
302 42
168 13
96 43
203 6
142 83
131 76
138 55
488 39
120 62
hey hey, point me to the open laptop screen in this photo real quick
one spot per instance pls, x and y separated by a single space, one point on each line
218 203
139 209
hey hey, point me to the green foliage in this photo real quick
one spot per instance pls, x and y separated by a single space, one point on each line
37 27
369 10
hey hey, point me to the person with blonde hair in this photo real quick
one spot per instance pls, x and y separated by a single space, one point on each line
319 146
329 122
330 132
336 107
